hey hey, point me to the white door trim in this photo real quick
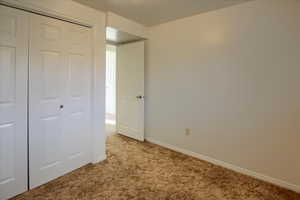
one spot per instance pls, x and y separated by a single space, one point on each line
96 20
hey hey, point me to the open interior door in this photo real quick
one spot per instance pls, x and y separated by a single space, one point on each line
130 90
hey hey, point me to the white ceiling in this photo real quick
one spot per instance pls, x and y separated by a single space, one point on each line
152 12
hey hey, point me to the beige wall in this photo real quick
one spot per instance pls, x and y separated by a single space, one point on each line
233 77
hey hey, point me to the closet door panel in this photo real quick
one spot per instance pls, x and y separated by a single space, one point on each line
60 77
13 101
78 96
47 93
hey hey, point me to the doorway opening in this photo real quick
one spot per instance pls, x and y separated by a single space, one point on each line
124 84
110 87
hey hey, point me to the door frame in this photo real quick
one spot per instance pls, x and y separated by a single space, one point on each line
79 16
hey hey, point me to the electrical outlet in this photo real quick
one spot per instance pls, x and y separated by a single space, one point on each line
187 132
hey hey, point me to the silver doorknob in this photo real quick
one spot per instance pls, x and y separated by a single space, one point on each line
140 97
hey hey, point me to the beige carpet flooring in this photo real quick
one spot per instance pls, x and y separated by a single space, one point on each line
144 171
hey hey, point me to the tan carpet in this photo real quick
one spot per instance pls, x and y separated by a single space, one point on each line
144 171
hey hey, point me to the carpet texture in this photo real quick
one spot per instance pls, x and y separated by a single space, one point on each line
144 171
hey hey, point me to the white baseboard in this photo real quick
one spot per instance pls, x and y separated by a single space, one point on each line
253 174
137 137
99 159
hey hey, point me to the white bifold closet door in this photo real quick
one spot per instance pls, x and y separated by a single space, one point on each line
59 98
13 101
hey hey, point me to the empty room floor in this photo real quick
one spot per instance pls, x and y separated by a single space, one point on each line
144 171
